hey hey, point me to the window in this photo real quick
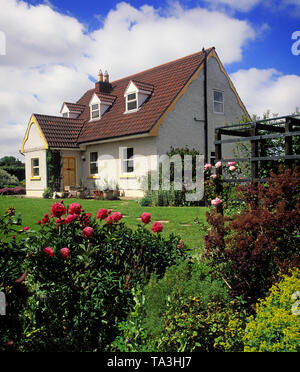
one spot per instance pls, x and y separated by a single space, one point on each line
94 163
127 160
65 114
95 111
35 167
131 102
218 102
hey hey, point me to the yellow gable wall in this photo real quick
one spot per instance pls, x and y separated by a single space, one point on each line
35 146
34 138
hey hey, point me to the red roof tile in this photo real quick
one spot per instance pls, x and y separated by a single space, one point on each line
75 107
59 131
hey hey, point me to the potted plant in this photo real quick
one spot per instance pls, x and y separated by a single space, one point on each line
116 192
107 192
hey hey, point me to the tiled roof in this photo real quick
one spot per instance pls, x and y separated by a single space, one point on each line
106 97
75 107
143 86
59 131
164 81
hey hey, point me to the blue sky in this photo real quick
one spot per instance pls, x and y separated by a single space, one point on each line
54 48
271 49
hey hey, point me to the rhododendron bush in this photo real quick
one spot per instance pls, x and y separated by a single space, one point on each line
80 271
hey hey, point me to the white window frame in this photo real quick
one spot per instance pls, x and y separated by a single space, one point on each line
65 114
93 162
125 160
34 167
218 102
132 100
92 110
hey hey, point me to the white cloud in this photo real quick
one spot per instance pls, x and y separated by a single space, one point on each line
133 39
241 5
50 55
267 89
290 6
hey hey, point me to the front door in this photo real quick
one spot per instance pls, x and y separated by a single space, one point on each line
69 171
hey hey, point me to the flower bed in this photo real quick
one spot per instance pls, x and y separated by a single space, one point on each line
80 271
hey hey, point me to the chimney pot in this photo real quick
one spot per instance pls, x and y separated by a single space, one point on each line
106 77
100 75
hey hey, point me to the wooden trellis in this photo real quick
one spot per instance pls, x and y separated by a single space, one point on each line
256 132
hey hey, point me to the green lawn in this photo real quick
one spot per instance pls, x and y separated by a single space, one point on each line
180 219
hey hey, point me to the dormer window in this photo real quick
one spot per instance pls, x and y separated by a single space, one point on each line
71 110
95 111
136 94
99 104
131 102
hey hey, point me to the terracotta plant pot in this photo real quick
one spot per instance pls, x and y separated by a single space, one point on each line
108 194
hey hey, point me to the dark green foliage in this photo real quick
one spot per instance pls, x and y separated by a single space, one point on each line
7 179
54 167
12 267
183 311
13 166
174 197
76 302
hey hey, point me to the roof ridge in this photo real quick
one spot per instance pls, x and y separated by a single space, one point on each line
163 64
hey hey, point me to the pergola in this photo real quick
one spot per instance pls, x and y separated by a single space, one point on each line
256 132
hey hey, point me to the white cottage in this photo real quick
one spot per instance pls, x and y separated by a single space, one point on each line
116 132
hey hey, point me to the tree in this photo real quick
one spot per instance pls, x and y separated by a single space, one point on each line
13 166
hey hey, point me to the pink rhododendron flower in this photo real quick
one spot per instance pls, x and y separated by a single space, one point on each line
213 176
232 168
39 222
116 216
64 252
157 227
49 251
218 164
109 219
57 210
231 163
45 219
88 231
102 214
207 166
26 228
70 218
75 208
60 221
146 217
216 201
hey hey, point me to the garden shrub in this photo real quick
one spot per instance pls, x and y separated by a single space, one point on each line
173 197
47 193
13 191
250 248
80 276
12 268
276 325
13 166
7 179
186 310
145 201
